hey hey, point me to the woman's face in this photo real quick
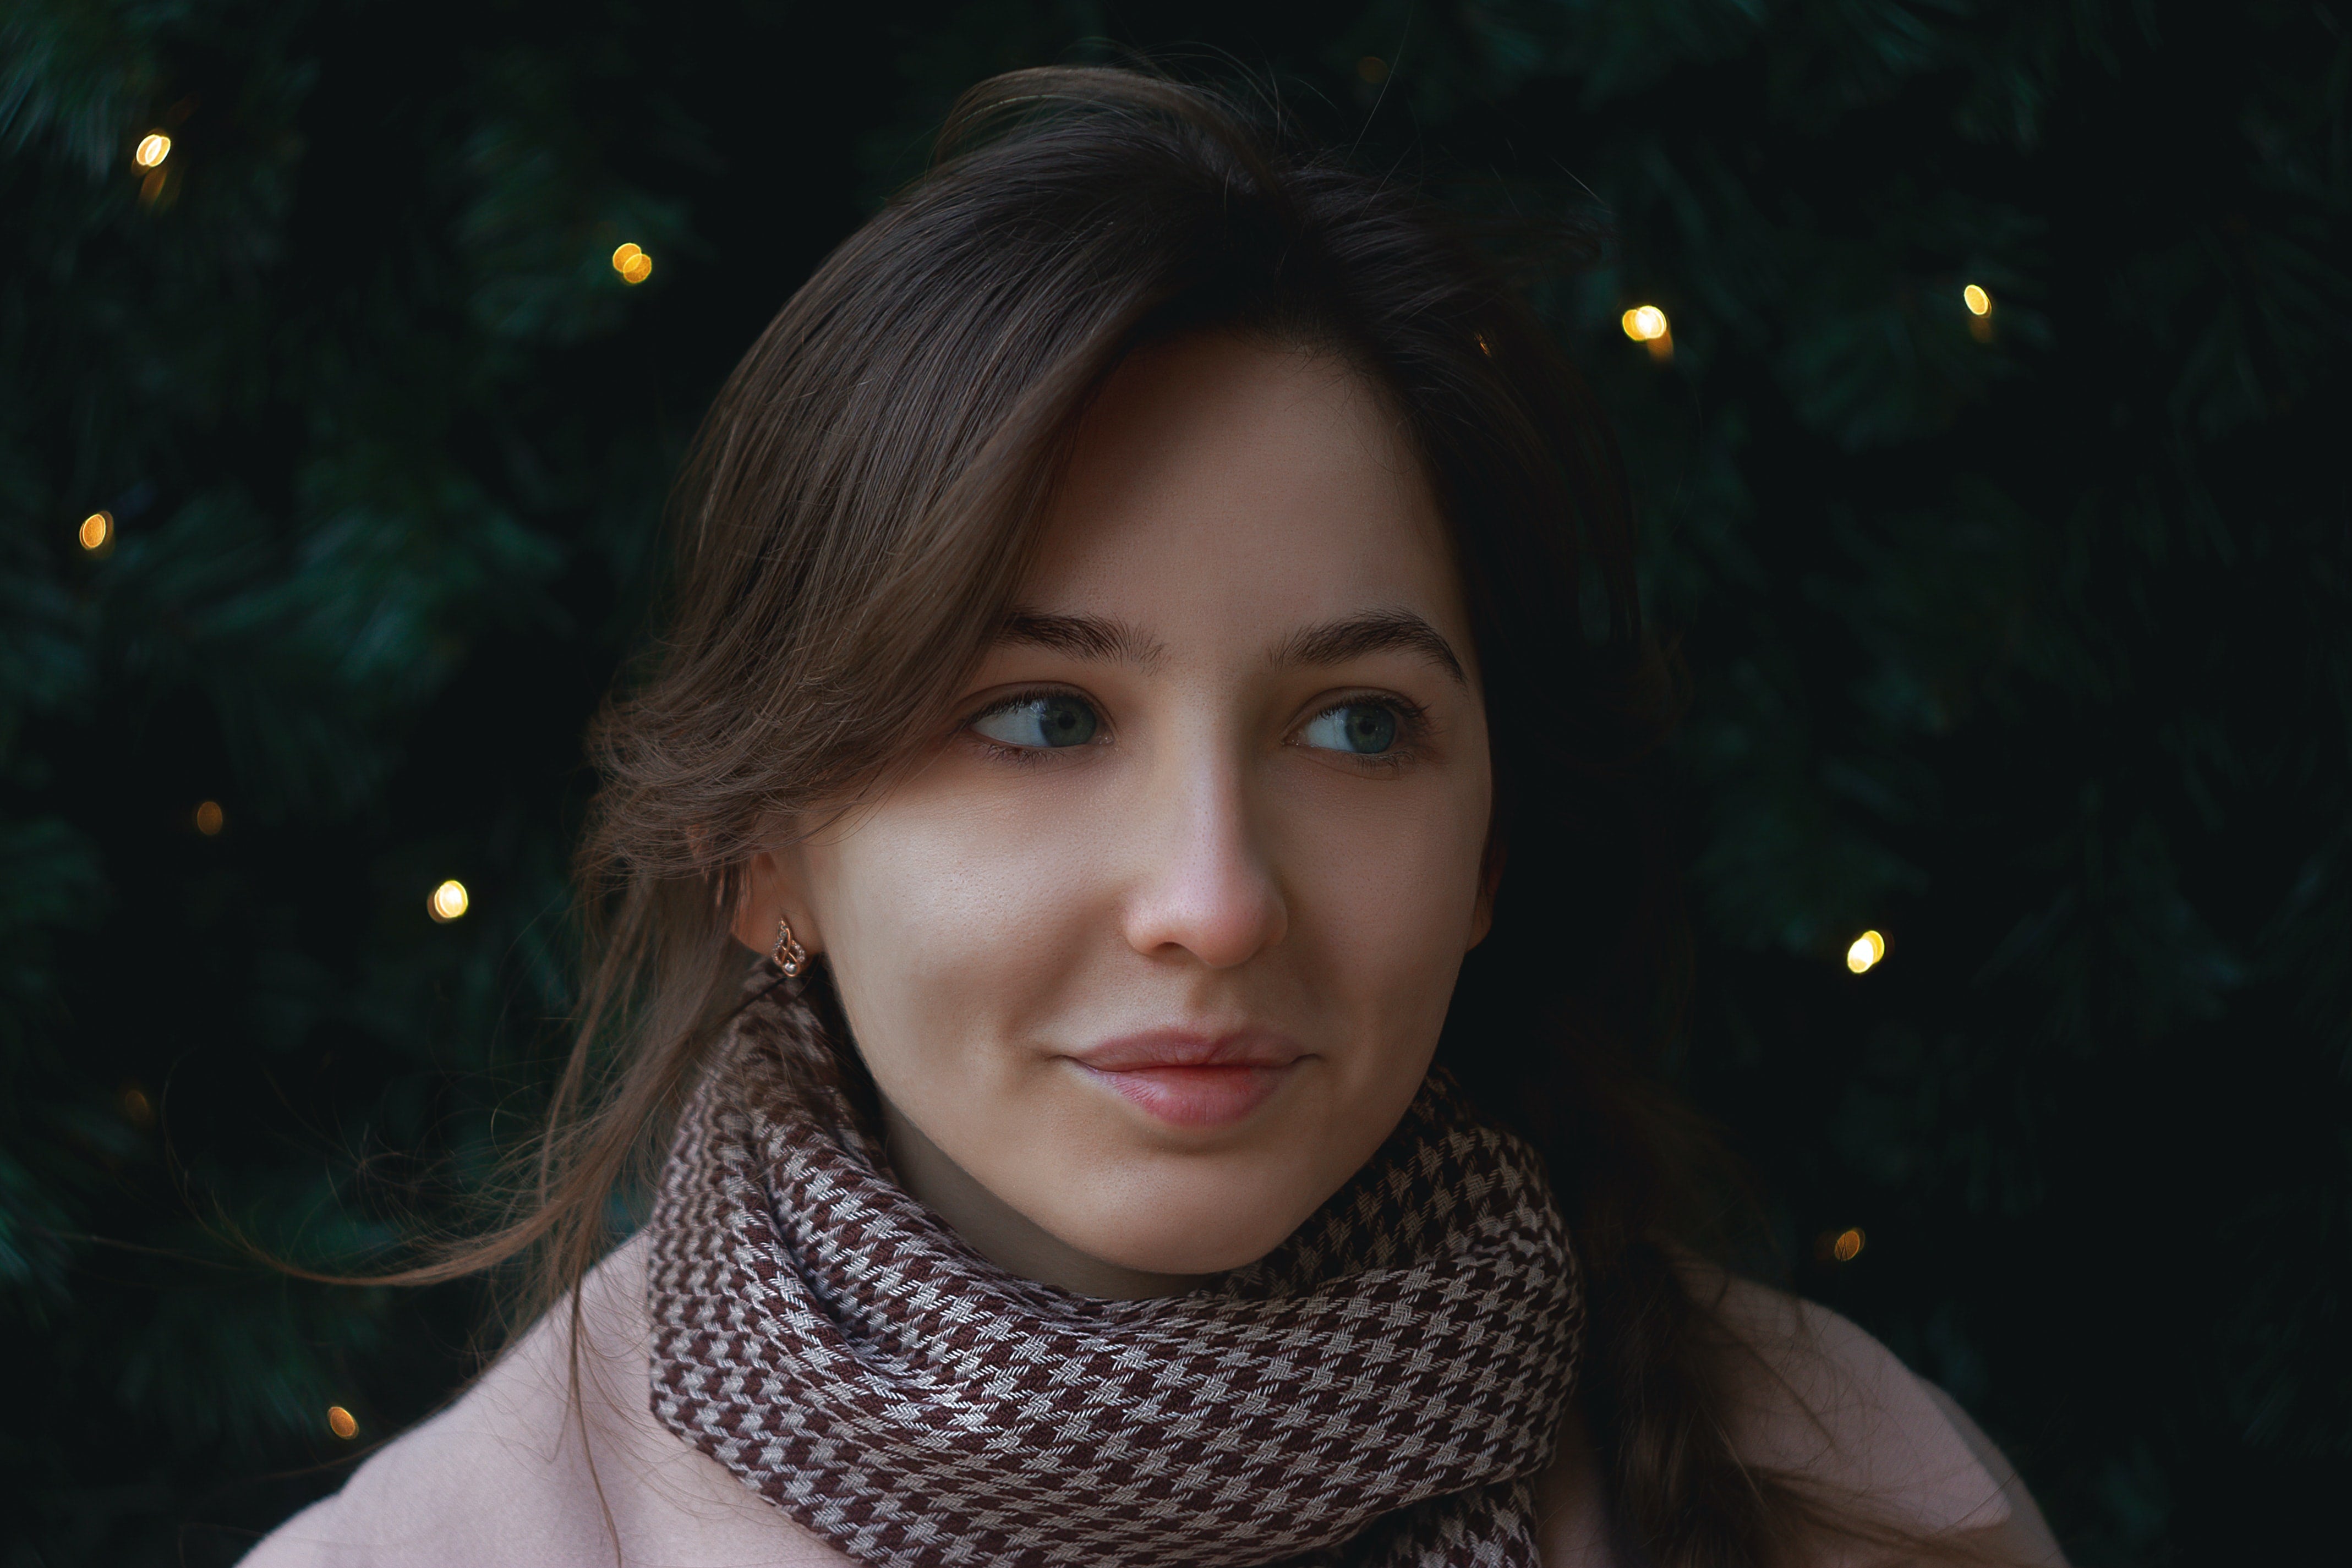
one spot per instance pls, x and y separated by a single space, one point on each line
1152 952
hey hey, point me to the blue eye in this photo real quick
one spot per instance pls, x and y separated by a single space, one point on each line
1039 723
1362 729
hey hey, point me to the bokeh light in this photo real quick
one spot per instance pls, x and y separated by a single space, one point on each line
1867 951
340 1422
1373 69
97 532
1847 1246
1643 323
210 819
1980 303
449 901
153 148
632 264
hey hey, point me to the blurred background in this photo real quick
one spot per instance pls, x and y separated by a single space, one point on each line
1984 368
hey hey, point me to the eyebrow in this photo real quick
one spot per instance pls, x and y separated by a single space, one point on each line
1333 643
1081 637
1376 632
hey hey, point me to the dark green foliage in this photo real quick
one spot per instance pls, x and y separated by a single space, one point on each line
2026 641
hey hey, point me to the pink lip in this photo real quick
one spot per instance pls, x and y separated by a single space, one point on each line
1190 1079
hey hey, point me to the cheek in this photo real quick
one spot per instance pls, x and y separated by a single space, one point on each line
1384 892
945 927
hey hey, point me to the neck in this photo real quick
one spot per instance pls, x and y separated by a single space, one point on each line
1003 1234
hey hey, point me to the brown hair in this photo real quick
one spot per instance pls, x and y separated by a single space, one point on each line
857 516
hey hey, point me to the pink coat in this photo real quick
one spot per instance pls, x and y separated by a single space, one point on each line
503 1477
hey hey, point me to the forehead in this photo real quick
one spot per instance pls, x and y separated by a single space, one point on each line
1223 481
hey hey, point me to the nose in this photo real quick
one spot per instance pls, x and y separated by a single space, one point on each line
1204 884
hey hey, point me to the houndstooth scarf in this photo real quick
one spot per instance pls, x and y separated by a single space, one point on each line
1380 1390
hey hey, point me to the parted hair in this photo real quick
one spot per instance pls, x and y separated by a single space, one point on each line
863 500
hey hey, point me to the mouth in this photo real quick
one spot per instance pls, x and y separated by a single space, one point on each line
1190 1079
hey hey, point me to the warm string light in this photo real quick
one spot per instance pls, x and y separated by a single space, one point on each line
152 149
1646 325
1838 1246
632 264
448 902
1866 952
210 819
340 1422
1979 304
96 534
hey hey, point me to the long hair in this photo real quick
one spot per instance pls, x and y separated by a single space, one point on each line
862 501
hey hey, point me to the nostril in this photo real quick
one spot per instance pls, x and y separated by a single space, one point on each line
1203 882
1218 926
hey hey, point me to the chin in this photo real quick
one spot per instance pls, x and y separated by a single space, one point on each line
1189 1256
1158 1223
1144 1194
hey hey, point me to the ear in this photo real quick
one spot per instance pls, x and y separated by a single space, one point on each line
771 892
1490 882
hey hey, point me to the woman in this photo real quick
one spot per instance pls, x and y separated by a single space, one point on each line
1155 677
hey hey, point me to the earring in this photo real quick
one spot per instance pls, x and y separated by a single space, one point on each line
788 955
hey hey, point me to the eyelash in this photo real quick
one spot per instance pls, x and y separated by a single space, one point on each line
1020 756
1412 727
